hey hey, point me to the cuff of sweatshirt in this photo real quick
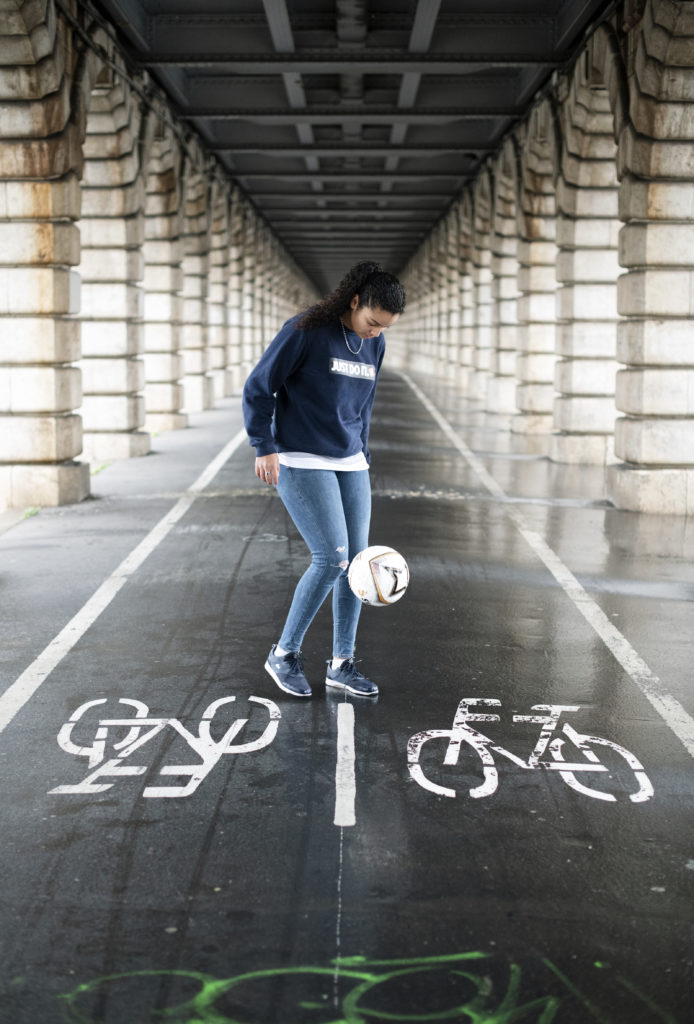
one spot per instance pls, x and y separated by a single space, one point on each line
264 449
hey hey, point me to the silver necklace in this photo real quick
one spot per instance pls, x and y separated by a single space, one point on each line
347 342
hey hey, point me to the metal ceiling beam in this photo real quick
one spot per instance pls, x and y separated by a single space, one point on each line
304 218
358 115
332 149
332 238
366 200
280 28
366 62
426 14
353 175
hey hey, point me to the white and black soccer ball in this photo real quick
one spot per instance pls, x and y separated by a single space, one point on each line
378 575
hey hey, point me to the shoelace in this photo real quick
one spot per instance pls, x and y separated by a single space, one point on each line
296 661
350 667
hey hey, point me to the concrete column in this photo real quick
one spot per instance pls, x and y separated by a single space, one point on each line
482 287
163 283
537 256
426 350
587 271
40 386
248 336
198 385
400 338
453 303
467 298
218 285
112 267
234 297
260 338
441 297
654 438
277 276
501 388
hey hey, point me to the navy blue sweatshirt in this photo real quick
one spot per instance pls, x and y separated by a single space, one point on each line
309 393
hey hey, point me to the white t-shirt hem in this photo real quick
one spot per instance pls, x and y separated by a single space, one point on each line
306 460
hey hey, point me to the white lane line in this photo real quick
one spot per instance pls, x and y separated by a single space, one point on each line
653 689
23 688
345 785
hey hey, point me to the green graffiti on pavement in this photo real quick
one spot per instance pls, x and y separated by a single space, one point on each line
378 991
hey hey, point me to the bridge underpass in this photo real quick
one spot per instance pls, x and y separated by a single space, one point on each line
506 833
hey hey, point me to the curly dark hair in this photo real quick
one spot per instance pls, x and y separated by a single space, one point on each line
374 286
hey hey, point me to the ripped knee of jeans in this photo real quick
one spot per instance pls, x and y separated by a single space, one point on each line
345 563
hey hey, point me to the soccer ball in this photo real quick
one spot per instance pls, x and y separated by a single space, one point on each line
378 575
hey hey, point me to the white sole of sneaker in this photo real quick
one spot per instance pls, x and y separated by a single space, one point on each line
281 685
343 686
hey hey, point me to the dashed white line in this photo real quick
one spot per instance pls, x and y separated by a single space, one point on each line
653 689
345 785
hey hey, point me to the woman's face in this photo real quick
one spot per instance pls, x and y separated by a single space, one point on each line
369 321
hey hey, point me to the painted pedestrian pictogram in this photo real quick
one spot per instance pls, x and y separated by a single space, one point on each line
582 771
141 729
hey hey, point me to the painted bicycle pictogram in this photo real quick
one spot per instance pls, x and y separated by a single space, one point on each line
140 728
548 754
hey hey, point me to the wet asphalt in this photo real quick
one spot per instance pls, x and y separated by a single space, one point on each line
521 791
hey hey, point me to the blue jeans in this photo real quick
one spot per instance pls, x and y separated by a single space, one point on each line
331 510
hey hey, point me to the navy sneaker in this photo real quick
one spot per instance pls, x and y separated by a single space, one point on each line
288 672
348 677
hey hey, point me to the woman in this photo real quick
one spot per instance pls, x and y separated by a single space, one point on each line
307 409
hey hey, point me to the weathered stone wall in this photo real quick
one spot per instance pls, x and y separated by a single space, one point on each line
127 275
138 285
576 265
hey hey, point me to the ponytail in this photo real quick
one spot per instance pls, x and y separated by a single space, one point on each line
375 288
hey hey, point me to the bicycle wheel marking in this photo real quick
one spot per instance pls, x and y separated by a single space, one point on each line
670 710
141 728
546 755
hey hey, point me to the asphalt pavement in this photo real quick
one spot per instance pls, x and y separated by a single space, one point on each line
504 835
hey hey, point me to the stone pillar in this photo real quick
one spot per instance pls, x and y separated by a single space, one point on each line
198 385
441 296
537 256
654 438
400 338
467 297
163 282
501 388
482 286
260 338
248 337
40 387
587 271
453 301
218 286
277 275
112 230
235 373
423 348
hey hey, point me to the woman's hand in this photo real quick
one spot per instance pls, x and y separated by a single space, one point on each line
267 468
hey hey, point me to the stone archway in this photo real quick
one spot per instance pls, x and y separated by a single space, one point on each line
501 391
112 266
587 264
40 164
537 252
654 436
163 282
481 272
